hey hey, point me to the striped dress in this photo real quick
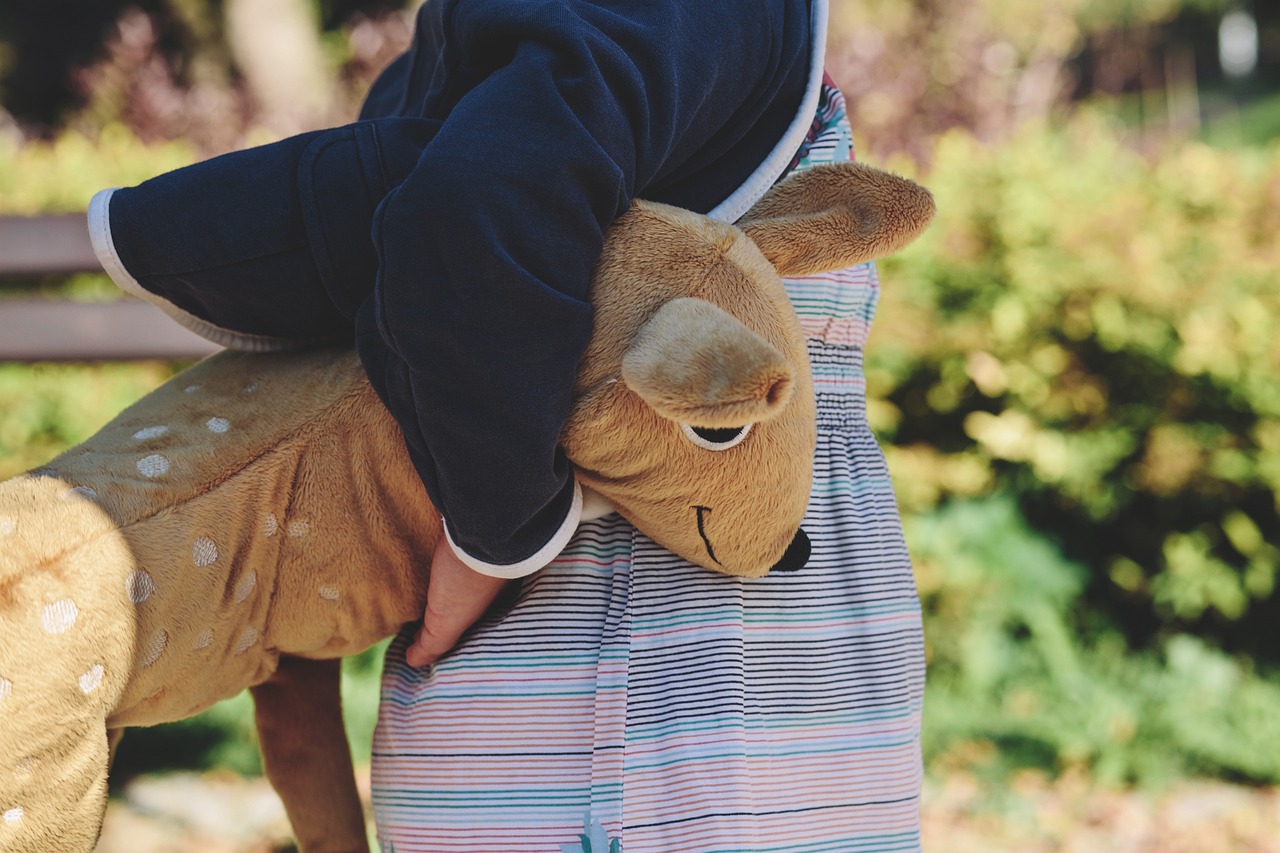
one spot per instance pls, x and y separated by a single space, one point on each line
628 702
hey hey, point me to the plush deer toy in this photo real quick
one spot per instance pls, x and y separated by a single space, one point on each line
257 518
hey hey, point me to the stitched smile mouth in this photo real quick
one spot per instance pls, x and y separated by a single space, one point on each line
702 531
793 559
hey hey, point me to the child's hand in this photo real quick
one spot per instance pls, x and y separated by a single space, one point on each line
456 598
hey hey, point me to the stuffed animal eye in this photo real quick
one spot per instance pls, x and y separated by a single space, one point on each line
716 439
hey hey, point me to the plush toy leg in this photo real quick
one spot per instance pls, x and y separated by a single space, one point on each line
54 797
304 748
113 743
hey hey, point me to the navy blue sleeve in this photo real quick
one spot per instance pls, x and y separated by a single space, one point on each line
479 312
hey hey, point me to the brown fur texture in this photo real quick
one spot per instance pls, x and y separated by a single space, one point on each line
811 221
256 518
694 363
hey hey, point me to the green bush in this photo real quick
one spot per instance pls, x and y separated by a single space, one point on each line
1098 335
61 176
1022 675
46 408
1076 376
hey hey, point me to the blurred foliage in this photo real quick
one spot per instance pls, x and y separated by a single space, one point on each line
40 42
1023 675
45 408
1250 125
168 69
62 175
1098 335
914 70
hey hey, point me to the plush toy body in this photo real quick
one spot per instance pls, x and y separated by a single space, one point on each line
253 507
257 518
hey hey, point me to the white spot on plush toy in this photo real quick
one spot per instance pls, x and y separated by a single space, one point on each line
6 687
153 466
247 640
150 432
204 552
298 529
86 492
13 815
154 648
203 641
251 387
270 526
7 526
90 680
329 593
218 424
139 586
191 389
59 616
245 586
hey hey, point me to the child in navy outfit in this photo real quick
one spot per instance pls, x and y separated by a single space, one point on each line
454 228
451 233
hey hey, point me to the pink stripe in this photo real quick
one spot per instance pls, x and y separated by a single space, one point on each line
850 331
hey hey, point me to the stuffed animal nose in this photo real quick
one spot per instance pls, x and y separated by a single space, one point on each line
796 555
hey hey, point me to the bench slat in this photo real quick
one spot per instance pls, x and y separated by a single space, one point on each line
58 330
45 245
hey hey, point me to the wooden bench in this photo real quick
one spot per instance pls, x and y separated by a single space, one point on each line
36 329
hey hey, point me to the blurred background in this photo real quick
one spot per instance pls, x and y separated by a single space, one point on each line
1075 374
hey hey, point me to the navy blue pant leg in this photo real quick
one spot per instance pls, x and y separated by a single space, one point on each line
273 240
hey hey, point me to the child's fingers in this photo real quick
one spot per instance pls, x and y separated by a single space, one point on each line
456 597
429 644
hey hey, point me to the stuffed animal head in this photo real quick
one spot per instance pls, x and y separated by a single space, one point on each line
694 410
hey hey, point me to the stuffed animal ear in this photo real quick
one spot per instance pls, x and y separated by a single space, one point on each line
695 364
831 217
